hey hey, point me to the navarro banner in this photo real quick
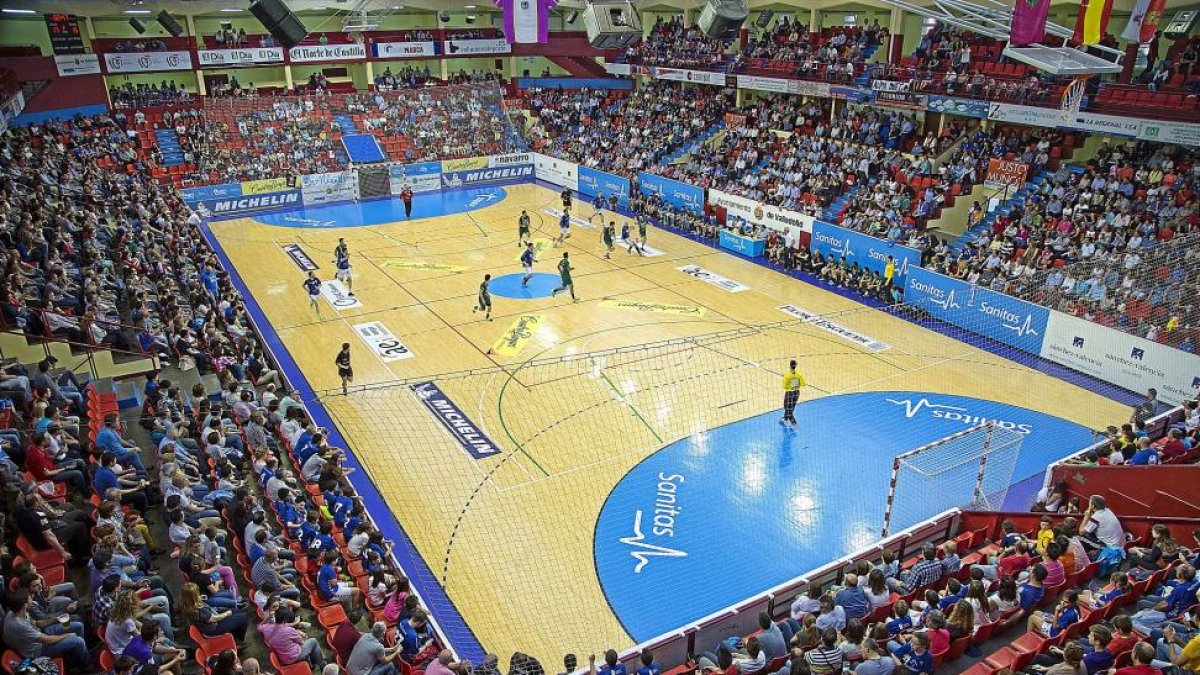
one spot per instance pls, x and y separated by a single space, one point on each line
322 188
404 50
420 177
1125 360
471 47
676 193
147 62
556 171
982 311
593 182
315 53
867 251
237 57
1002 173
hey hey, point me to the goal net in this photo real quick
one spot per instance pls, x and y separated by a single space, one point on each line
973 467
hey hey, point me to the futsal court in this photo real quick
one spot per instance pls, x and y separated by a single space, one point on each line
630 474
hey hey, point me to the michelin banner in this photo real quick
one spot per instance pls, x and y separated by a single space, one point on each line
420 177
594 182
983 311
494 169
780 220
867 251
557 171
1128 361
322 188
265 201
678 194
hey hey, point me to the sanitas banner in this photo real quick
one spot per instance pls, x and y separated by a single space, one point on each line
594 182
1128 361
420 177
404 50
147 62
322 188
675 193
557 171
235 57
867 251
982 311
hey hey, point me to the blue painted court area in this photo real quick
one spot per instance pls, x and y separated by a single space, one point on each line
719 517
509 286
389 210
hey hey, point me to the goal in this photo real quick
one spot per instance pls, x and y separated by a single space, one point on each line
971 468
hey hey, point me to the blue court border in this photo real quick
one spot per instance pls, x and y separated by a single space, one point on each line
460 636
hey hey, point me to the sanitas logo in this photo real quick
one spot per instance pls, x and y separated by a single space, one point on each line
665 512
835 244
953 413
1012 320
937 296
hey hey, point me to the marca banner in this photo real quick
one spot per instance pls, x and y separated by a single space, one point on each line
1125 360
247 203
487 174
322 188
774 85
420 177
780 220
594 182
694 76
958 106
403 50
265 185
808 88
313 53
867 251
77 64
1002 173
675 193
713 278
1181 133
381 341
469 47
1025 114
193 196
556 171
982 311
147 62
850 335
449 415
237 57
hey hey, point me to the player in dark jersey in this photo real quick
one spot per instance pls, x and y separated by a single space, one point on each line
345 370
522 228
527 261
484 301
564 272
566 198
341 259
313 285
606 235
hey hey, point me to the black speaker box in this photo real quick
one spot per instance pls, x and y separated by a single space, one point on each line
279 21
170 24
137 26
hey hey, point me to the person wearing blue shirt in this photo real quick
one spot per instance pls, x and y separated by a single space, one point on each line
414 633
1031 592
331 587
109 485
1062 619
649 665
914 655
853 599
126 453
1145 455
611 666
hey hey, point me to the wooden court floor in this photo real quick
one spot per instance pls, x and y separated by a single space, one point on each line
595 388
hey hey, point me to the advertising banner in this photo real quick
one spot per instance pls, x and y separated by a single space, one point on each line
694 76
77 64
147 62
888 85
460 427
487 174
312 53
781 220
867 251
382 342
1025 114
593 182
192 196
238 57
420 177
958 106
470 47
901 99
808 88
1107 124
224 206
514 159
556 171
404 50
1125 360
1003 173
852 94
713 278
618 69
322 188
463 164
262 186
1182 133
675 193
774 85
982 311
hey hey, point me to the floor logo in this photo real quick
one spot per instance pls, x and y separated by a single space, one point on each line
953 413
643 551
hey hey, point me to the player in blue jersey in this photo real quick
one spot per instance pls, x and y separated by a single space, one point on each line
628 240
313 285
597 209
527 261
564 227
341 259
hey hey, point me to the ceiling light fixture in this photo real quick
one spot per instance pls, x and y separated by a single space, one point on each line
230 9
137 11
9 10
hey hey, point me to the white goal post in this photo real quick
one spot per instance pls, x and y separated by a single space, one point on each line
972 468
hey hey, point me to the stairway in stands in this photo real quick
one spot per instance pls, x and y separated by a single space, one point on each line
694 144
346 123
833 212
864 78
1014 199
168 146
363 148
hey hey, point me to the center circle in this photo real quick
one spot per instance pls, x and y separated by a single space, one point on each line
511 286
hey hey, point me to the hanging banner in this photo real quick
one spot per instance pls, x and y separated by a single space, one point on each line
1002 173
694 76
889 85
594 182
619 69
673 192
77 64
239 57
314 53
403 50
420 177
901 99
322 188
1025 114
958 106
557 171
757 213
852 94
147 62
471 47
772 84
1181 133
869 252
808 88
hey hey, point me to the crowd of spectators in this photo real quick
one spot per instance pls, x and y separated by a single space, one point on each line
144 95
627 134
251 139
228 37
670 43
150 45
408 77
835 54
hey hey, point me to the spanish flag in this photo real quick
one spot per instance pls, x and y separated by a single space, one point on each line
1092 21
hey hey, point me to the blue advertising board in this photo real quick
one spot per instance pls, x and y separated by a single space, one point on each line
676 193
225 206
744 245
863 249
852 94
593 182
574 83
958 106
193 196
982 311
496 174
419 177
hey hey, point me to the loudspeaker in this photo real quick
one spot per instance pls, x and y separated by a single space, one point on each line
764 18
279 21
137 25
723 18
170 24
612 24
